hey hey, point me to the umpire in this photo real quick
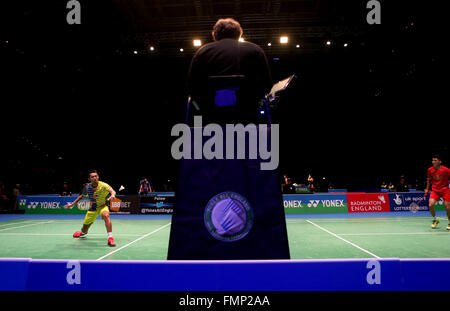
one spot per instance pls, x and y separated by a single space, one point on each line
225 57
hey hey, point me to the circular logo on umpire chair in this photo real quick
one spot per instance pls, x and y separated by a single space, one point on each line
228 216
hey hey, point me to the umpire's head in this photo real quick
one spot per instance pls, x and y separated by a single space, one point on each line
226 28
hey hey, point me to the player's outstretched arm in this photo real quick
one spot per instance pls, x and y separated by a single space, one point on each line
70 205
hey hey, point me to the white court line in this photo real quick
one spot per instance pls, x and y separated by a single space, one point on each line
63 234
335 235
33 224
16 223
350 221
132 242
394 233
402 218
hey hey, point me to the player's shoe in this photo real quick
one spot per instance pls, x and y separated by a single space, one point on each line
79 234
448 227
434 224
111 242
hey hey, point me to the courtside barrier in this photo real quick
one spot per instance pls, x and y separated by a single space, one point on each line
164 203
391 274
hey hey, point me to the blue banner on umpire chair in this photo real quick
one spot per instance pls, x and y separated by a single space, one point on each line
228 208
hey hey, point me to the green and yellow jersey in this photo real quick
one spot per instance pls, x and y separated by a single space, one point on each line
98 195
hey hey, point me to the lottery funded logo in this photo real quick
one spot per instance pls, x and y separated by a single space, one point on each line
228 216
404 202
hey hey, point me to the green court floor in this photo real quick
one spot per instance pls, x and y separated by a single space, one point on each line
147 239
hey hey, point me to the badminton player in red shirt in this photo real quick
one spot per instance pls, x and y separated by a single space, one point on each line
439 176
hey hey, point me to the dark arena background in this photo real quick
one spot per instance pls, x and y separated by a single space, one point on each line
370 104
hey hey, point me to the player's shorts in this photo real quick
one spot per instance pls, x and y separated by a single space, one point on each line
444 193
92 215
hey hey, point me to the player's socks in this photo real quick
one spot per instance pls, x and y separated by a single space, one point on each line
109 234
435 223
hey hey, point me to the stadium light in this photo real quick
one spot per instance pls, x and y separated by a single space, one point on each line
297 46
269 44
181 50
152 48
328 42
284 40
197 42
345 45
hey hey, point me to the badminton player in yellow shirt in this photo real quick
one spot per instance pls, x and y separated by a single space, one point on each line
99 194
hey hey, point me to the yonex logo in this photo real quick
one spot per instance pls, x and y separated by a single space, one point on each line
313 203
33 205
292 203
381 198
84 205
23 202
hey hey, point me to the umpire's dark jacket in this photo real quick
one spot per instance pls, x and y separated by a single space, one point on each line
223 58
